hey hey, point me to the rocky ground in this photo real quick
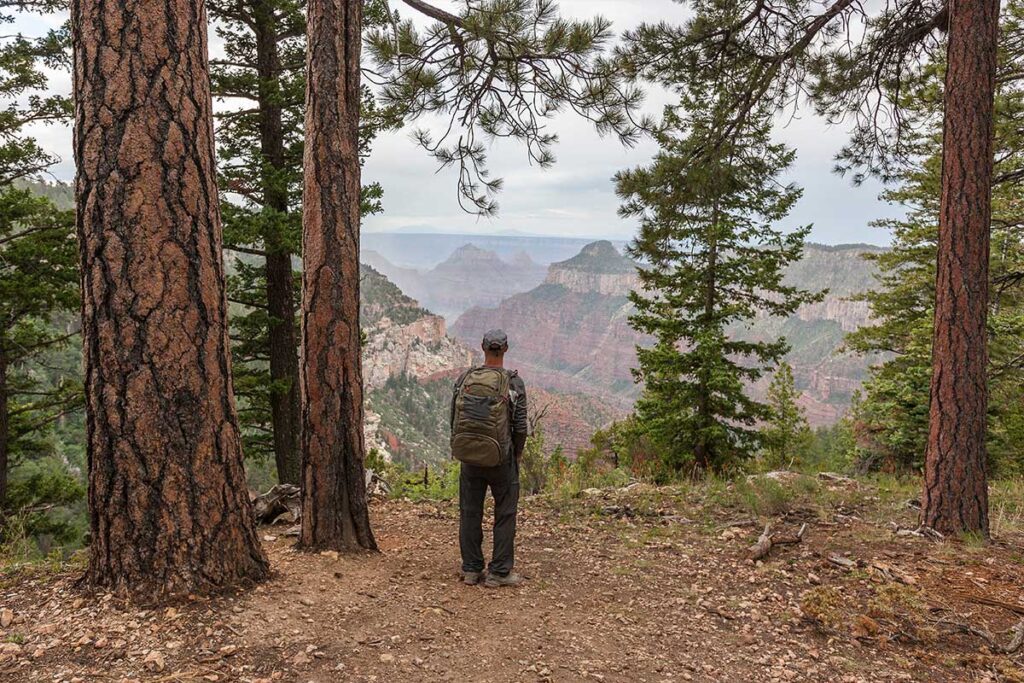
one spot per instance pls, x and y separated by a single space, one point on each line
637 585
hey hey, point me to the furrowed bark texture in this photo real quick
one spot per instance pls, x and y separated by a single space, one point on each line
334 509
956 481
169 510
285 411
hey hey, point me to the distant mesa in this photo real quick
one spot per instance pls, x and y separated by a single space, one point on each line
522 260
471 255
599 257
470 276
572 333
599 267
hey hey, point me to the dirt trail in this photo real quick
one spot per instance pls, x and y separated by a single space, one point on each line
613 596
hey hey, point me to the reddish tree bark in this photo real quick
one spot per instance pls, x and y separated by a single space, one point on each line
334 509
956 478
169 511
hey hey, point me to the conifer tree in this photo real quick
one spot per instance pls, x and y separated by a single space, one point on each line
892 419
778 55
786 434
713 259
262 75
38 277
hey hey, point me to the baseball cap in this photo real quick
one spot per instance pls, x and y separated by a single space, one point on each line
495 339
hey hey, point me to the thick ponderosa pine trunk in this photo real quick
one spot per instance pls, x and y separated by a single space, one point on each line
956 481
168 504
285 411
334 509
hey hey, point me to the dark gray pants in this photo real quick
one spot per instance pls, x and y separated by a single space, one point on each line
473 483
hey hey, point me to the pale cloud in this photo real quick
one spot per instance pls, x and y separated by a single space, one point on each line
576 197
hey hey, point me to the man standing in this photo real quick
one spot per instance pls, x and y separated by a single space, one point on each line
489 425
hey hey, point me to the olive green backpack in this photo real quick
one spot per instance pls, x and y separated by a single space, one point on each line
480 419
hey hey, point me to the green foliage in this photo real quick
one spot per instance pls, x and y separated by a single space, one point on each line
260 150
40 384
625 445
417 414
582 474
499 69
763 497
891 420
786 435
831 448
380 298
715 260
437 484
538 467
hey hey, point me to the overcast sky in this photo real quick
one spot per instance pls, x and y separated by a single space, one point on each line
576 197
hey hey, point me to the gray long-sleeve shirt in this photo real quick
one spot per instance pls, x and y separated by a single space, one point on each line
520 422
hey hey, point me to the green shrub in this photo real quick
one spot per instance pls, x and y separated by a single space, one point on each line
439 483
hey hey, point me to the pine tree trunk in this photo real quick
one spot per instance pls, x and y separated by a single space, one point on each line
4 427
703 452
285 411
168 504
334 509
956 484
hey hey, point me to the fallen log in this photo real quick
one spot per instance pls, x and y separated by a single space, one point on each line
767 541
1015 644
993 602
282 504
844 562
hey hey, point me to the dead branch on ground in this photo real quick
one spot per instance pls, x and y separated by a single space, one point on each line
767 541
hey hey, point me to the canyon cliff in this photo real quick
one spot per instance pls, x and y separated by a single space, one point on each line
469 277
572 332
410 364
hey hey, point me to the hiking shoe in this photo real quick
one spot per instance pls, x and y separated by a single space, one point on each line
472 578
497 581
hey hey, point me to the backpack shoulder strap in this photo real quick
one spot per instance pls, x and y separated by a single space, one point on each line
463 376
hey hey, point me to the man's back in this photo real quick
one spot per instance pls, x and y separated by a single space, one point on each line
477 402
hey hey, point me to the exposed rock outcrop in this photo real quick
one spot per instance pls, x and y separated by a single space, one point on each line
572 332
599 268
420 348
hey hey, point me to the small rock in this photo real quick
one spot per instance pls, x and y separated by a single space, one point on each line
100 643
154 661
9 651
308 602
387 658
6 617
